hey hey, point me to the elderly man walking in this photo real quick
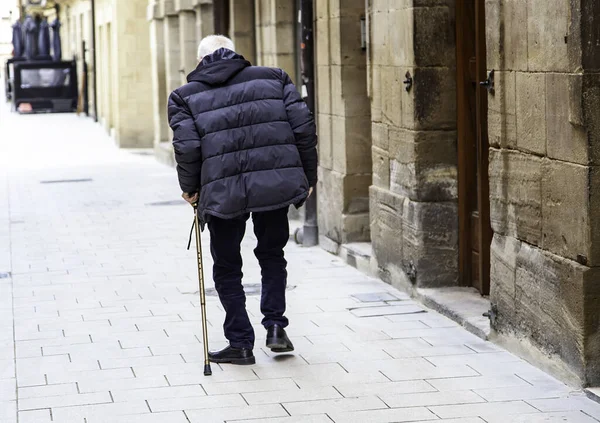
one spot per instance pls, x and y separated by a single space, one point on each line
245 144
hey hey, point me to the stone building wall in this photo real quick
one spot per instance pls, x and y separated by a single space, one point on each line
544 185
343 121
275 34
413 197
123 42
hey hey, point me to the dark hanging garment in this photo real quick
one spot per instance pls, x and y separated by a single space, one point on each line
17 39
31 38
56 43
44 41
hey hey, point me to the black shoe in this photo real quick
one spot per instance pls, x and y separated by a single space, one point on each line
277 340
232 355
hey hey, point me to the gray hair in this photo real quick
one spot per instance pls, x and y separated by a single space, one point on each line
212 43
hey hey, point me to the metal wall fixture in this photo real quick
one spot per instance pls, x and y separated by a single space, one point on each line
408 82
488 84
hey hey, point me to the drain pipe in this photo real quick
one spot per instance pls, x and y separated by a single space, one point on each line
308 235
95 56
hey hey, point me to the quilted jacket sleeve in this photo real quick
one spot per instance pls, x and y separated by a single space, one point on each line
303 125
186 143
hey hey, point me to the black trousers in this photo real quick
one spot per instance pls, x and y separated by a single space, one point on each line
272 231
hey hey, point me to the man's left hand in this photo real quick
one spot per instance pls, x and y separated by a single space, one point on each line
190 197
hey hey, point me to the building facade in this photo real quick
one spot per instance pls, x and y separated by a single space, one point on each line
475 178
117 54
457 139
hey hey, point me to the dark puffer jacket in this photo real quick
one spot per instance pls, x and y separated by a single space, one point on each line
243 137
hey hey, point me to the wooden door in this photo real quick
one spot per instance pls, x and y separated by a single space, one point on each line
473 182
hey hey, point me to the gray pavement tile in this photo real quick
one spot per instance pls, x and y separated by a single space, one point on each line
121 394
478 382
8 411
199 402
427 399
474 410
575 402
383 388
523 393
8 390
67 400
556 417
92 384
48 391
396 415
99 412
292 395
316 418
35 416
330 406
219 415
167 417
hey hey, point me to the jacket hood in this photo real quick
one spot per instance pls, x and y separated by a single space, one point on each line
218 67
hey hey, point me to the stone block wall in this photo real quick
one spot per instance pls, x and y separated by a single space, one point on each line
544 188
76 26
414 213
343 121
276 34
124 74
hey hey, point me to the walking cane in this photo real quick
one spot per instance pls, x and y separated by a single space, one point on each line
207 370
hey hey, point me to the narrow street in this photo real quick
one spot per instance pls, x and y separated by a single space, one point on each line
101 318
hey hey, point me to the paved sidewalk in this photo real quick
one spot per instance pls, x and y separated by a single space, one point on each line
101 320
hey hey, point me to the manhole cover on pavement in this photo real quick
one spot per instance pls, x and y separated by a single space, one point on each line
250 289
167 203
66 181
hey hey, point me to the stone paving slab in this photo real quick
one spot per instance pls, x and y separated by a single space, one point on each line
100 319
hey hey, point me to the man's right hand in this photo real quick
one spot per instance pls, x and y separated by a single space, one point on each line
190 198
310 191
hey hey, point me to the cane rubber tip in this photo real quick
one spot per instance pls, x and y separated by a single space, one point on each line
207 370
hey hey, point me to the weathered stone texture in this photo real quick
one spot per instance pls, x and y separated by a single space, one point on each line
386 227
423 164
434 36
502 111
566 141
420 238
531 112
344 116
542 296
380 135
516 195
432 103
242 28
565 210
331 203
381 168
547 29
430 235
506 34
589 106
